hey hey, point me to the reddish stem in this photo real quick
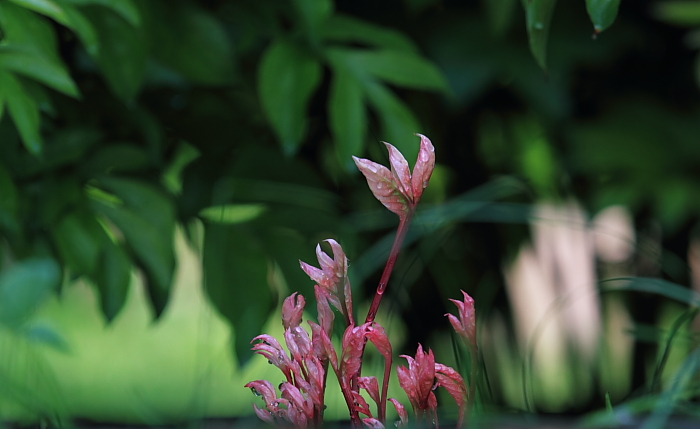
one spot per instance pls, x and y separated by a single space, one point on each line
385 387
404 223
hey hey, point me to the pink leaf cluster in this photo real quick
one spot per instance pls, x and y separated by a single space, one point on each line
332 277
422 377
300 401
398 189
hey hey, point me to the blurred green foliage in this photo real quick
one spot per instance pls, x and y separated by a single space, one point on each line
122 120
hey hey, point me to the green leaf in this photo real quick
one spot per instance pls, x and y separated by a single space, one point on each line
345 28
538 19
500 14
116 157
398 123
25 285
235 278
313 14
146 218
43 334
45 7
233 213
123 52
192 42
286 79
25 28
83 28
23 110
683 13
8 202
124 8
348 120
651 285
18 59
112 277
602 13
77 239
398 68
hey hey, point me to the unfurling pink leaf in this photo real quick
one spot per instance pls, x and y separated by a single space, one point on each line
333 277
417 379
454 384
398 189
360 404
465 326
298 343
325 314
403 415
400 171
425 164
292 310
371 385
383 185
351 357
372 423
264 415
377 335
273 351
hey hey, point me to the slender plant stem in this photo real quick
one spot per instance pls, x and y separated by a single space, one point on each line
385 388
404 223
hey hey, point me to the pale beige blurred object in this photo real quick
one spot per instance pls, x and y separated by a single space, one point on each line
552 290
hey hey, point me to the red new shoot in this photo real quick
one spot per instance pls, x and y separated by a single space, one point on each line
305 364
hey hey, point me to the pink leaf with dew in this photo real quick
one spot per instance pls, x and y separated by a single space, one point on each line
417 380
314 368
371 385
341 271
298 339
322 346
400 171
377 335
381 183
325 314
263 388
264 415
292 310
314 273
403 415
425 164
273 352
296 399
372 423
297 417
432 406
353 345
465 326
454 384
360 404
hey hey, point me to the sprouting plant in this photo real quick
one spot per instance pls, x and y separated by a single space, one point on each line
306 366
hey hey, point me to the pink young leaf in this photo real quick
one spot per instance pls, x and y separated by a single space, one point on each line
454 384
314 367
353 344
372 423
263 388
314 273
377 335
292 310
371 385
264 415
465 326
325 314
400 171
432 406
298 343
403 415
360 404
425 164
417 380
296 399
273 352
381 183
